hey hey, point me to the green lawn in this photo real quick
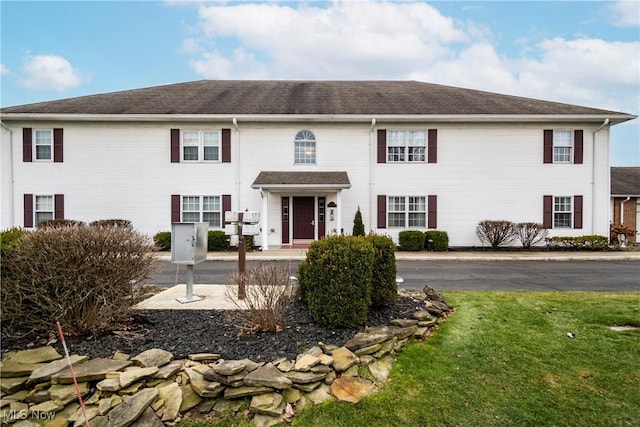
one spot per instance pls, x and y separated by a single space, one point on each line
504 359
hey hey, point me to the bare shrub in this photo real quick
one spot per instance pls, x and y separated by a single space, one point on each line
83 277
496 233
268 292
530 233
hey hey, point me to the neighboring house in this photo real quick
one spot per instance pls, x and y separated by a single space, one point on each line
307 155
625 198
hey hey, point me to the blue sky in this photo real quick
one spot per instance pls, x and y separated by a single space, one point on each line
578 52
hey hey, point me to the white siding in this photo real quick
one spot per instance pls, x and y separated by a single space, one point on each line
490 171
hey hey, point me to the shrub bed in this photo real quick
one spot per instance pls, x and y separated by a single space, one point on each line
411 240
579 243
436 240
384 288
162 239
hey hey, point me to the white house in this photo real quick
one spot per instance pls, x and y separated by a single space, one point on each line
307 155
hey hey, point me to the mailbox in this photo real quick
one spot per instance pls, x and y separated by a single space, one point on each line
250 217
231 216
231 229
250 229
189 242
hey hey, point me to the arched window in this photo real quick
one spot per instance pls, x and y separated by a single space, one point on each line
305 147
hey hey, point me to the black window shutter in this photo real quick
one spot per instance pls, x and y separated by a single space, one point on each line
382 146
432 146
577 211
432 207
226 145
548 146
175 147
175 208
28 210
27 146
382 211
58 145
547 215
578 146
58 206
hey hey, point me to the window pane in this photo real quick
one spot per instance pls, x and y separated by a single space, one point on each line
211 143
396 219
417 219
43 152
395 154
416 154
190 153
44 203
43 136
211 203
562 220
395 138
417 138
191 217
562 204
213 218
417 204
211 153
191 203
562 138
305 152
561 154
210 138
190 145
43 216
396 204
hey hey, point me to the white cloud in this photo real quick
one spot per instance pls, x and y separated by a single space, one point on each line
50 72
403 40
4 70
625 13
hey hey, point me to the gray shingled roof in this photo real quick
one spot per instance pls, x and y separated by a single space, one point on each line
243 97
282 179
625 181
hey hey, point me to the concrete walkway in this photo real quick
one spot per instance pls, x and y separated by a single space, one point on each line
216 296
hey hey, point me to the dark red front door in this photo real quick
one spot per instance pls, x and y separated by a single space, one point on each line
303 210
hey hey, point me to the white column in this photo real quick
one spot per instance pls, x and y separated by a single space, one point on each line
339 212
264 219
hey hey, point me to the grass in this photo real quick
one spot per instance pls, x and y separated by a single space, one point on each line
504 359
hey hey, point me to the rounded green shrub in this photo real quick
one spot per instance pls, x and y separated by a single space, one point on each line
218 241
335 280
436 240
411 240
384 288
162 239
10 237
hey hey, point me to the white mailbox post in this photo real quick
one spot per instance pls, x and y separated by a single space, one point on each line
189 247
241 224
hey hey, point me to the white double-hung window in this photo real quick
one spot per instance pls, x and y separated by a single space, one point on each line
44 209
406 146
562 146
201 146
407 211
202 209
562 212
44 144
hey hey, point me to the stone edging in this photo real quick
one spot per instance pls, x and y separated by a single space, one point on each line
152 389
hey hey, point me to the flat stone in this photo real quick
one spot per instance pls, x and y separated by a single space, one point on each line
229 367
306 362
245 391
225 405
110 385
403 323
153 357
304 377
62 417
420 332
172 396
37 396
386 348
45 372
429 322
64 394
78 417
321 369
100 421
307 387
368 350
10 368
267 376
201 386
167 371
352 389
286 366
92 370
365 339
19 396
26 423
381 368
130 376
422 315
204 356
12 385
47 407
129 410
267 404
320 395
291 395
36 355
148 418
120 356
343 359
325 359
207 406
132 389
190 398
261 420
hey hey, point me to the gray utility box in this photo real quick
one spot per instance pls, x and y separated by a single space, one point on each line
189 242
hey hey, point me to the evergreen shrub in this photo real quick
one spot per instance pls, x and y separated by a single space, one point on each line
358 225
578 243
335 280
411 240
384 288
218 241
439 240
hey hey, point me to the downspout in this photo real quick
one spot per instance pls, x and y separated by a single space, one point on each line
593 176
371 172
11 217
